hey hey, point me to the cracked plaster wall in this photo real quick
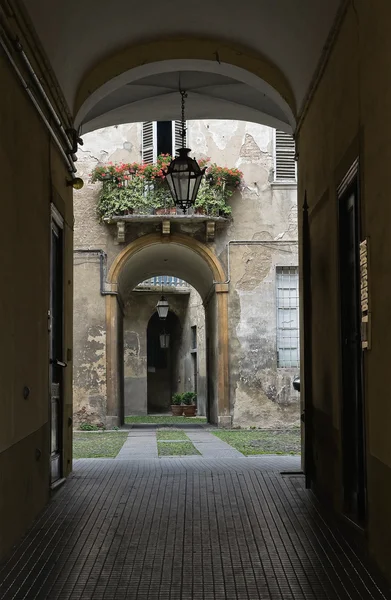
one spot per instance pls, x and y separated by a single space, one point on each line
265 212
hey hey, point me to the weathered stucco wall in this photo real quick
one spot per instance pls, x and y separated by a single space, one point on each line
263 212
348 113
90 390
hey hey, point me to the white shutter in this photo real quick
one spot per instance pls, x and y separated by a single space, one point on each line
177 136
149 142
285 164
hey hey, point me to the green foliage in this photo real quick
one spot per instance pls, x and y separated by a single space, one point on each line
171 434
177 399
266 441
86 426
176 449
141 188
189 398
100 445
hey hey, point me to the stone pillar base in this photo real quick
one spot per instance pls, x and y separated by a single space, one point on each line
112 421
224 422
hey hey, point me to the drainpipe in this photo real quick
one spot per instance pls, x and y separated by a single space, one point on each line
102 267
251 243
69 160
72 149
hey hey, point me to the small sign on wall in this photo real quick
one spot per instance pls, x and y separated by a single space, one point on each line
365 305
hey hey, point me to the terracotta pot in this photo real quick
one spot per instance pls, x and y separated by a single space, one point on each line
189 410
200 211
166 211
177 410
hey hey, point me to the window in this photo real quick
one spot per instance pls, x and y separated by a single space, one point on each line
194 337
160 137
284 157
288 354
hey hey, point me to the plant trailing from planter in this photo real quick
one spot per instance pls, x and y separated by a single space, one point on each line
141 188
176 405
216 189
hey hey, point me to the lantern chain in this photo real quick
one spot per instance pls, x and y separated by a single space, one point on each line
183 134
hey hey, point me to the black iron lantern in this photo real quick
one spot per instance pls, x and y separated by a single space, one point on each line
184 174
162 308
164 340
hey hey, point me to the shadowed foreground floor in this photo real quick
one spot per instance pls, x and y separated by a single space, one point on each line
189 528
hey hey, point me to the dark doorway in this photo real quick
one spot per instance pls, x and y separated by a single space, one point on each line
161 362
353 424
56 351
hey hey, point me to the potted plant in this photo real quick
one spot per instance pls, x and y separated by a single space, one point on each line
189 408
176 406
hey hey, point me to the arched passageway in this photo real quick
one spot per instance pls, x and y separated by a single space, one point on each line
179 256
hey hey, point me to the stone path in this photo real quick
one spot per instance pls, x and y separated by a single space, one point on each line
142 443
186 529
211 446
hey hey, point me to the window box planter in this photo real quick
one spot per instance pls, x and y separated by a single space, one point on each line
166 211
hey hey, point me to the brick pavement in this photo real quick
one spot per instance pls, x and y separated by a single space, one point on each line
185 529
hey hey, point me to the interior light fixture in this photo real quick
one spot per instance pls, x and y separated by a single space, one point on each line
162 308
164 340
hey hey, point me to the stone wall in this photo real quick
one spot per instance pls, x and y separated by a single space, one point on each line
264 214
34 176
349 113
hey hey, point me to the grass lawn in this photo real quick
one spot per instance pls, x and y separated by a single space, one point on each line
176 449
164 419
97 445
262 441
171 434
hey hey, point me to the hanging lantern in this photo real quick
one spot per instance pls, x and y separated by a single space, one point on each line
184 174
162 308
164 340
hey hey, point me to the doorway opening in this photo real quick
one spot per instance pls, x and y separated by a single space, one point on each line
353 422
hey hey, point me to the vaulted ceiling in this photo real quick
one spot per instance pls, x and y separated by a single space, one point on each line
122 61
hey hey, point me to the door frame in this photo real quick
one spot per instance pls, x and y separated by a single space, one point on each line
56 220
350 185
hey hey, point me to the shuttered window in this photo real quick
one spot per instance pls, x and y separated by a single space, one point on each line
177 137
152 140
285 164
149 142
288 353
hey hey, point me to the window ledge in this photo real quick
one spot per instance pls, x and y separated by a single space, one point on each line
284 184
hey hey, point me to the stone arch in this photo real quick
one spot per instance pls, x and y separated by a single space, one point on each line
137 61
215 298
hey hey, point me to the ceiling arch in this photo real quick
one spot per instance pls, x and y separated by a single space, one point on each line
215 90
92 43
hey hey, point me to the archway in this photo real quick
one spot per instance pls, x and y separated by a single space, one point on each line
184 257
128 85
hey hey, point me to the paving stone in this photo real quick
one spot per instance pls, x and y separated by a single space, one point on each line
211 446
189 528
